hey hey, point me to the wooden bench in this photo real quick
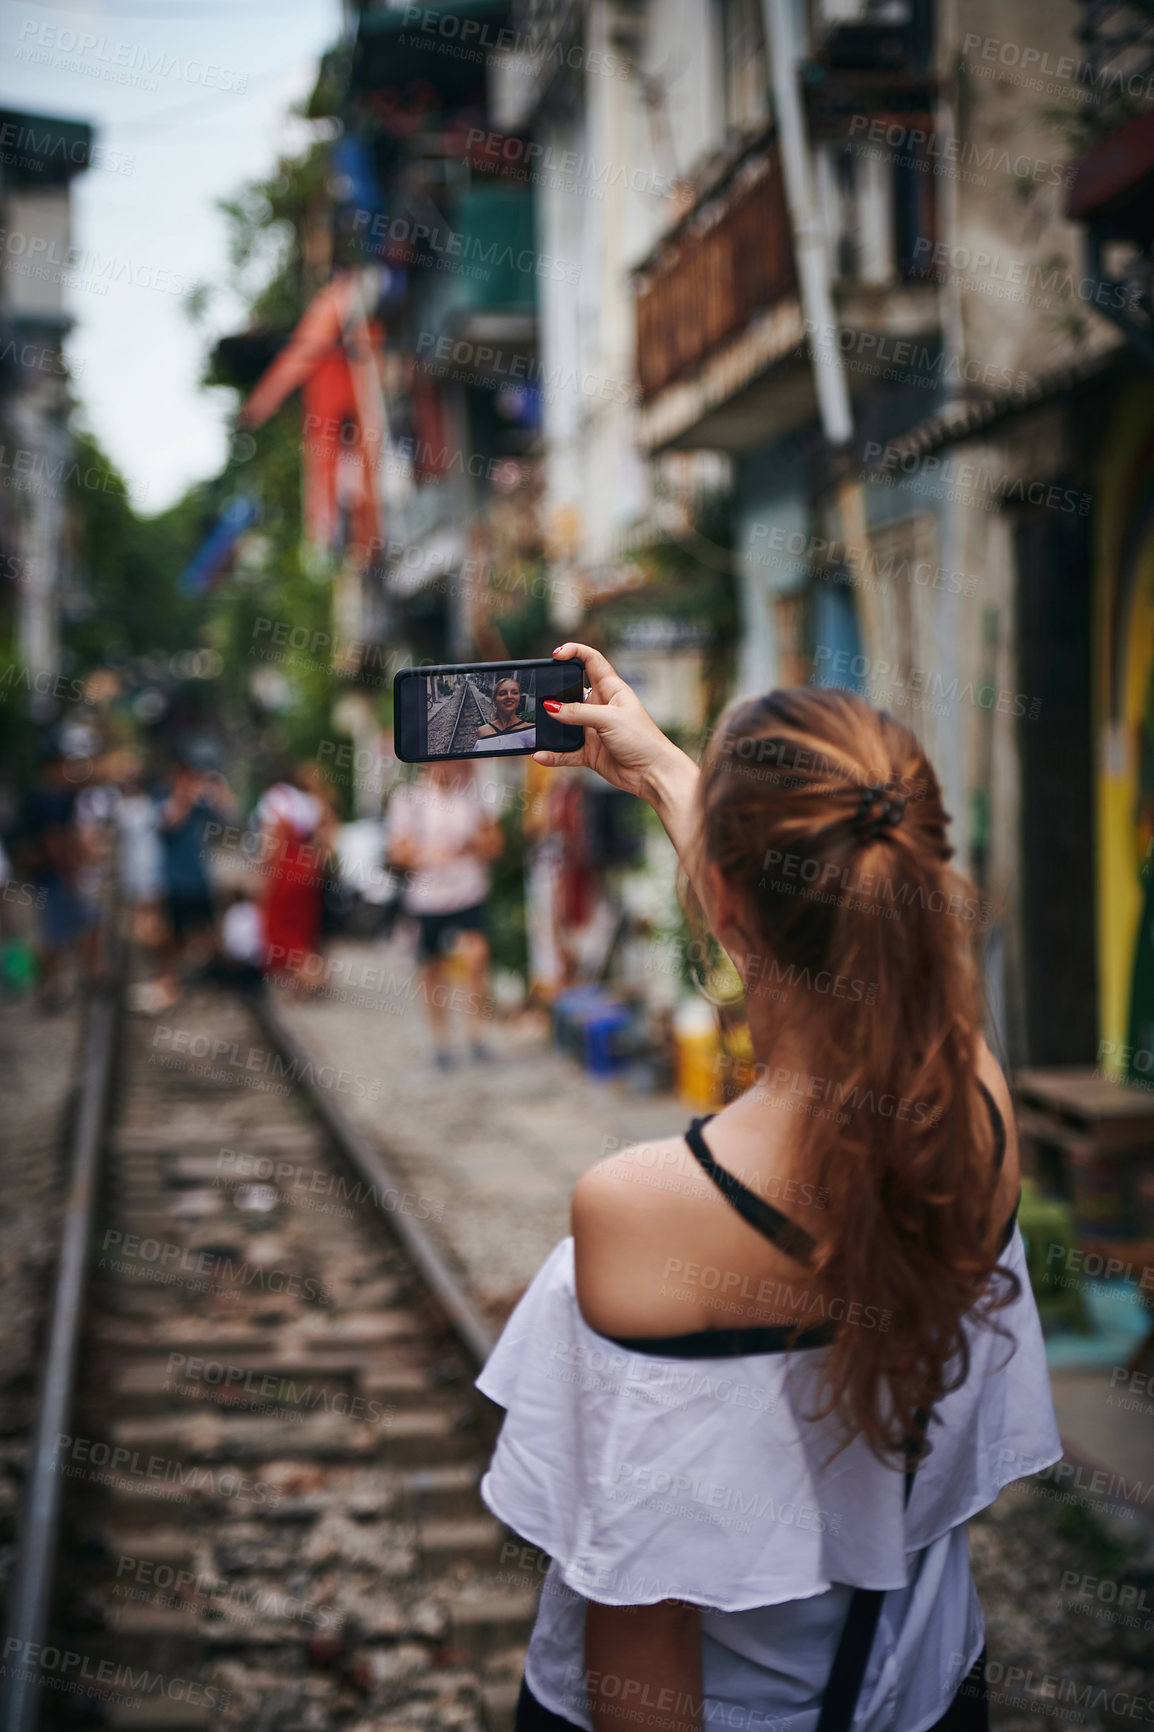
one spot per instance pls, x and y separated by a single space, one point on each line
1092 1138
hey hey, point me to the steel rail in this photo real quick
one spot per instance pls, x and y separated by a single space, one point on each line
30 1592
457 720
372 1165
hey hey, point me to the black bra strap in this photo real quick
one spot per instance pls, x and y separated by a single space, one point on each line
791 1239
999 1126
783 1232
737 1343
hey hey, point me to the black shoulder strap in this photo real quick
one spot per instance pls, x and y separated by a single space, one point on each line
770 1222
849 1663
857 1637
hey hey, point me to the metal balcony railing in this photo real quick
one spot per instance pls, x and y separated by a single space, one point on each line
730 259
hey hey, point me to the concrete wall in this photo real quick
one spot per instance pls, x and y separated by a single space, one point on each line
1016 264
634 141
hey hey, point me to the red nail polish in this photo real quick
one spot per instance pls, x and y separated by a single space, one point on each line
551 704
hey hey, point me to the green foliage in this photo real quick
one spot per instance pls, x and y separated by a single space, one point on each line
689 578
328 93
17 730
527 630
277 598
130 565
267 222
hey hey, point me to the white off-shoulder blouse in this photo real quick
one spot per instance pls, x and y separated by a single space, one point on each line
647 1477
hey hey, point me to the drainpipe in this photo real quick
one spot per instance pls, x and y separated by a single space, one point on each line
809 249
849 517
959 753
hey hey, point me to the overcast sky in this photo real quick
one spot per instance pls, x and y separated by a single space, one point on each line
203 106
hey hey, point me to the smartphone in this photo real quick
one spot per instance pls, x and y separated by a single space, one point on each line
484 710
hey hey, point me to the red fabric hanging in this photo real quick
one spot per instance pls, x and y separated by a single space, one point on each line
331 338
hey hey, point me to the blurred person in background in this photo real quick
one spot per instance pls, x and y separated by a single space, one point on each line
52 852
298 829
239 961
197 797
336 896
95 816
141 866
18 949
142 877
442 838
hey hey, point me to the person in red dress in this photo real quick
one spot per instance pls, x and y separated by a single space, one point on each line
297 825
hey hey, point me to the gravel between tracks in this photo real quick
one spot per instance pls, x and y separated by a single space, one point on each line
499 1146
495 1146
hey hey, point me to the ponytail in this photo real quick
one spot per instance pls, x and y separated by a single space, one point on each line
826 819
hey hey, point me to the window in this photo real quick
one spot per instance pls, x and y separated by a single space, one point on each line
856 194
745 64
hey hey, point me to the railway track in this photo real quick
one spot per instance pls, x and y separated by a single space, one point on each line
454 728
269 1465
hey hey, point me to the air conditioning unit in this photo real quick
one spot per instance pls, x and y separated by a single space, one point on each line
830 16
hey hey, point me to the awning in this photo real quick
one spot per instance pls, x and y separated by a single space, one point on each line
1114 182
970 418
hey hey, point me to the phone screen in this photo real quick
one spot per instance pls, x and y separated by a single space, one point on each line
484 709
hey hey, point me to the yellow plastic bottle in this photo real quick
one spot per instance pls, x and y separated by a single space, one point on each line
698 1055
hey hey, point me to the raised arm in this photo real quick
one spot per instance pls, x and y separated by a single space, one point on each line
625 746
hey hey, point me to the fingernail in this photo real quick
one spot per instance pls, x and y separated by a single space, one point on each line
559 648
551 704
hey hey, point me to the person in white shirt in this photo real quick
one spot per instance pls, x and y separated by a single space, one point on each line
440 835
753 1400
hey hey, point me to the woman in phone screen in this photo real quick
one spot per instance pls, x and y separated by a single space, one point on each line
509 731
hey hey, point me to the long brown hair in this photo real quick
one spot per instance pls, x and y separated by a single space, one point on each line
826 819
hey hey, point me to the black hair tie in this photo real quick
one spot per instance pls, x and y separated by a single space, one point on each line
877 810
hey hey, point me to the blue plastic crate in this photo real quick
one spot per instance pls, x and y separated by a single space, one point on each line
568 1007
601 1029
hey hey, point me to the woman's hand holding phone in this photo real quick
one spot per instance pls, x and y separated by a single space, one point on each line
626 747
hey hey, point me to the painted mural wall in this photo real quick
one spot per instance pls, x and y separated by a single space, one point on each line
1124 712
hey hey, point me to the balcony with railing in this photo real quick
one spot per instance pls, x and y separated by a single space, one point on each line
713 275
721 341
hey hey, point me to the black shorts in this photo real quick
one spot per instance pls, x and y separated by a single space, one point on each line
437 933
188 914
968 1712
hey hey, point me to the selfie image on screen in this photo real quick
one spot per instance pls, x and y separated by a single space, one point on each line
480 712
